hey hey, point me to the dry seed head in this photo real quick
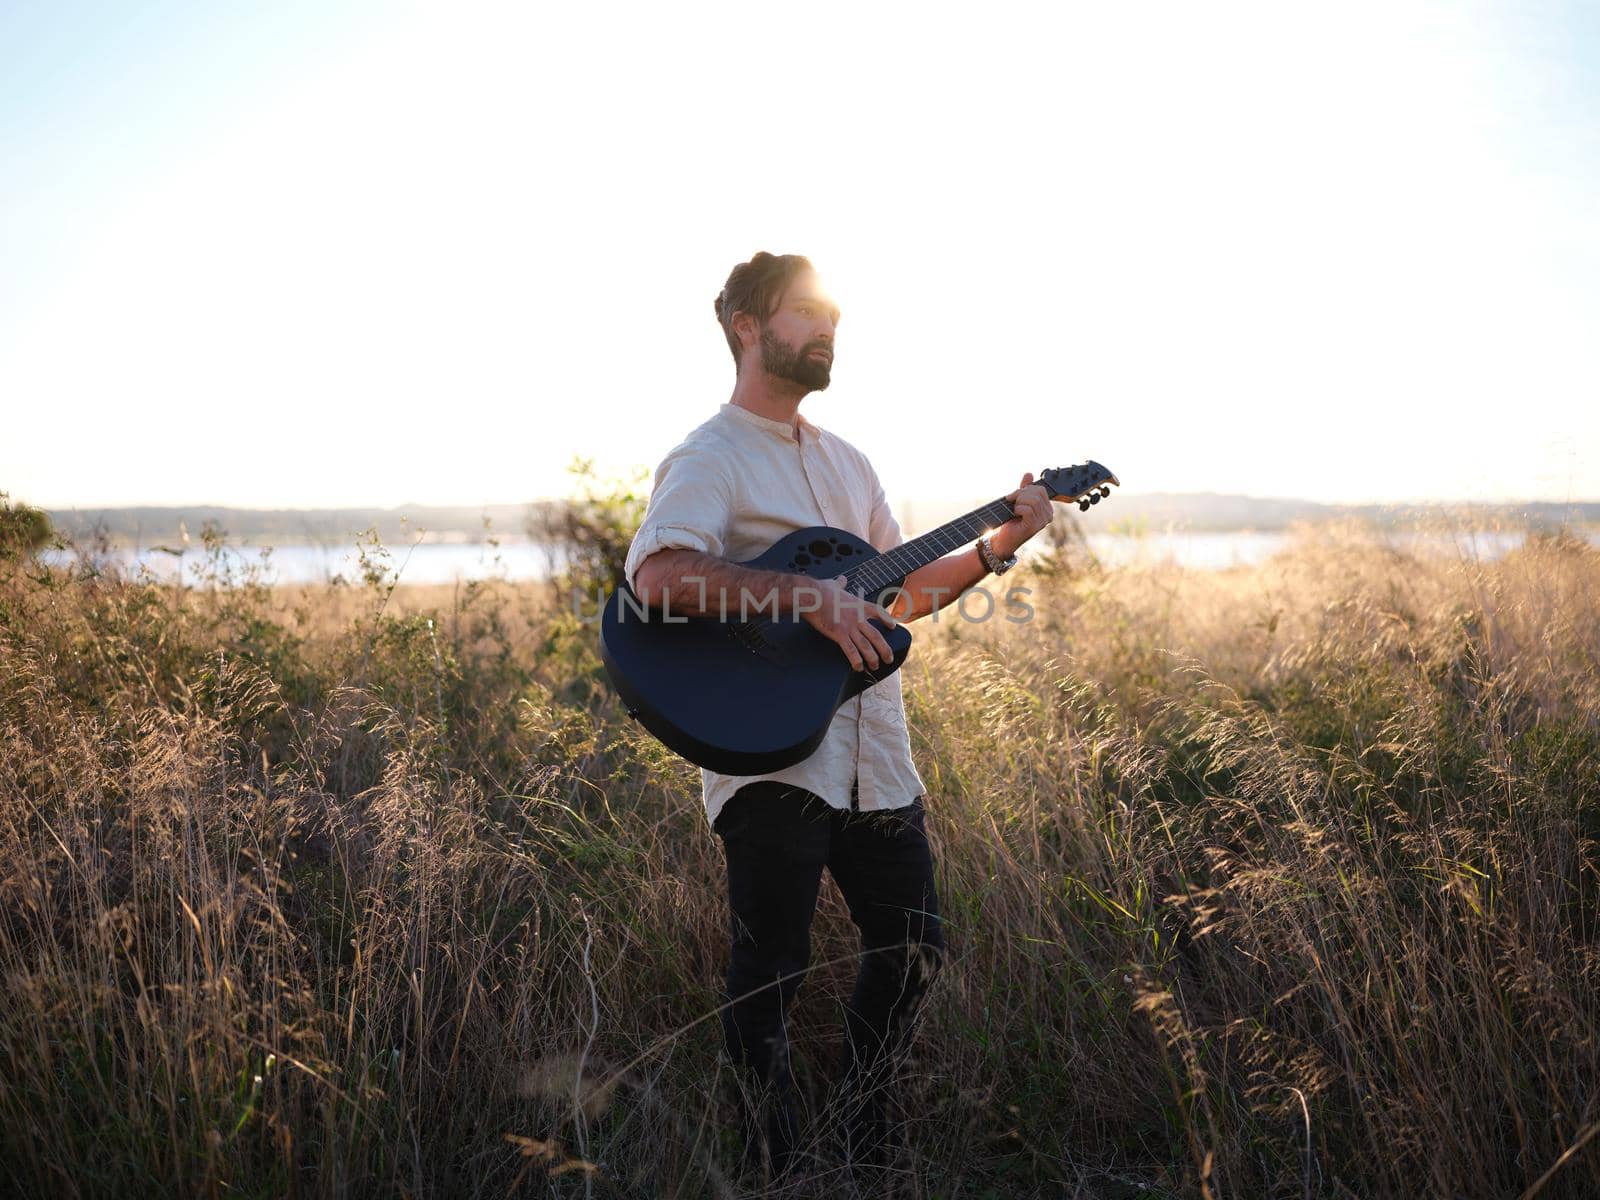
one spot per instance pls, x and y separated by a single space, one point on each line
556 1078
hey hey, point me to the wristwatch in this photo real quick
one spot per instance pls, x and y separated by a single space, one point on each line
991 561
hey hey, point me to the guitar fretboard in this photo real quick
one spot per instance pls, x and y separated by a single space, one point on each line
894 565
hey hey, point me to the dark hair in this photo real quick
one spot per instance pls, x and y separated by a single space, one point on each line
756 287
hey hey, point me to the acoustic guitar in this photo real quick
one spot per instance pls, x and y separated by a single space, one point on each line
754 695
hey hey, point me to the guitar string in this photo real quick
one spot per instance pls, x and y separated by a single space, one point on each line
883 569
902 560
878 572
895 564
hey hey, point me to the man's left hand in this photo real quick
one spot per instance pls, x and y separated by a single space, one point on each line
1033 512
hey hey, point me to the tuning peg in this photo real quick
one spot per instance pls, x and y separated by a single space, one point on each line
1105 491
1094 497
1083 505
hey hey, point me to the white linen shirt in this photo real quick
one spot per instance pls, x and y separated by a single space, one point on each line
734 486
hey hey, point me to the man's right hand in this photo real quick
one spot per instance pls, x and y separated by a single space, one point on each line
844 618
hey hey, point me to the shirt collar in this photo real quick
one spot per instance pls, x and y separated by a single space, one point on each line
780 428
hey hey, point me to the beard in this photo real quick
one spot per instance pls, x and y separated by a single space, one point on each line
785 362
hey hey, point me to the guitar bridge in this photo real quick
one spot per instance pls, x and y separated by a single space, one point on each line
753 637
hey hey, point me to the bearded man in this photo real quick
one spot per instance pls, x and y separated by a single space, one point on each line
753 472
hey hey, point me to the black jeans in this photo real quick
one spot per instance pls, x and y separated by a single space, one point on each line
777 839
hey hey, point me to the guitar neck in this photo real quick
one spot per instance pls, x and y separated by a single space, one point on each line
893 566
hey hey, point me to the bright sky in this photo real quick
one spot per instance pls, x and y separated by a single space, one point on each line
303 254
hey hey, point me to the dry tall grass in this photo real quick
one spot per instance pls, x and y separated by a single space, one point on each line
1272 882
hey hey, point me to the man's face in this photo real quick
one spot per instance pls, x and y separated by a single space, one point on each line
797 340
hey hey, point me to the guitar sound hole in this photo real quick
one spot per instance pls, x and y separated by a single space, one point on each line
820 548
844 550
802 560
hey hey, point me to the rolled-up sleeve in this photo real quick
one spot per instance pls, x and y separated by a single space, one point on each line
690 505
883 531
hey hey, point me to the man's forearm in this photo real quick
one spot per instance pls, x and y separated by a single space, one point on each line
942 581
931 587
691 584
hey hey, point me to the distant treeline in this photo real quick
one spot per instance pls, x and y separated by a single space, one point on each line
1202 511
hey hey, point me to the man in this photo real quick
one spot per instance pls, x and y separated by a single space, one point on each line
753 472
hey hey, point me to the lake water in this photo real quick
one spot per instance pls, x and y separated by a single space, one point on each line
428 562
447 562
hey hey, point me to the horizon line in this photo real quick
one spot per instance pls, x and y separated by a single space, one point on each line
942 501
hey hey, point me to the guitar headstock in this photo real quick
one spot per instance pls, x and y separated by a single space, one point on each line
1087 483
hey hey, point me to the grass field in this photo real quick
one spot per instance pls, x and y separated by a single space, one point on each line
1277 882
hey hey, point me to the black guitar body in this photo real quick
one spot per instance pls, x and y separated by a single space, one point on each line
752 696
743 697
